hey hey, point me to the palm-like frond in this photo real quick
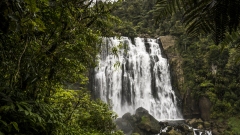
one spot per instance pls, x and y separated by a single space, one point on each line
164 8
198 18
203 16
232 40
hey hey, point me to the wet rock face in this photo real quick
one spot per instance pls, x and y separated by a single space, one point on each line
204 107
177 129
190 106
193 108
141 112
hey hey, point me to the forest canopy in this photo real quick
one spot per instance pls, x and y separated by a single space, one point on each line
203 16
48 46
44 47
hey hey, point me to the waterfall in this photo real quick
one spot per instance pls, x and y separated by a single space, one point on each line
138 76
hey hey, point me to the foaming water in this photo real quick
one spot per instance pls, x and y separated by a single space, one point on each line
141 79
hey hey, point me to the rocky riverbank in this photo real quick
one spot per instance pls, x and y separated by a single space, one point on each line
142 123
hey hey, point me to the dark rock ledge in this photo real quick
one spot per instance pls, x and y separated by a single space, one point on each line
142 123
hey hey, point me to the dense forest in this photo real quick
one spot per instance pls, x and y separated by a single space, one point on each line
47 48
209 70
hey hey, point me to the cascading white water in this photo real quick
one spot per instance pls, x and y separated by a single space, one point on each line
141 79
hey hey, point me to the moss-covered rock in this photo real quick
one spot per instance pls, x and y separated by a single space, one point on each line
135 134
148 122
174 132
141 123
206 124
124 125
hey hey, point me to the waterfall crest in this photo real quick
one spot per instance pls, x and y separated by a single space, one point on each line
141 79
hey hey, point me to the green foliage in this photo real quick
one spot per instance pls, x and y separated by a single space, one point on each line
221 109
208 70
81 114
67 111
234 123
145 119
215 17
44 47
137 17
211 71
206 84
218 57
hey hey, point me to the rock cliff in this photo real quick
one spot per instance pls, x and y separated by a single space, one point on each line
190 107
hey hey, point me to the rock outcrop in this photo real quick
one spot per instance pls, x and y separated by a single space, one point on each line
147 122
204 107
191 107
141 123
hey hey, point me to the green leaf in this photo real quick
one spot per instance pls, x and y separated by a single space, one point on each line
3 122
25 105
15 125
32 5
26 112
5 108
19 107
39 118
1 133
46 2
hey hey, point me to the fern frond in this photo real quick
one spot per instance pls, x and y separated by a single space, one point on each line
164 8
216 17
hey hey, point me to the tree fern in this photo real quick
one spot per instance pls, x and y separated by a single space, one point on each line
216 17
164 8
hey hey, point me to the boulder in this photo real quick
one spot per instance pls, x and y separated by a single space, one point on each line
174 132
130 118
135 134
124 125
221 130
163 124
204 107
139 131
150 124
191 121
141 123
164 133
169 128
183 128
141 112
196 123
200 126
127 116
147 122
206 124
215 132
